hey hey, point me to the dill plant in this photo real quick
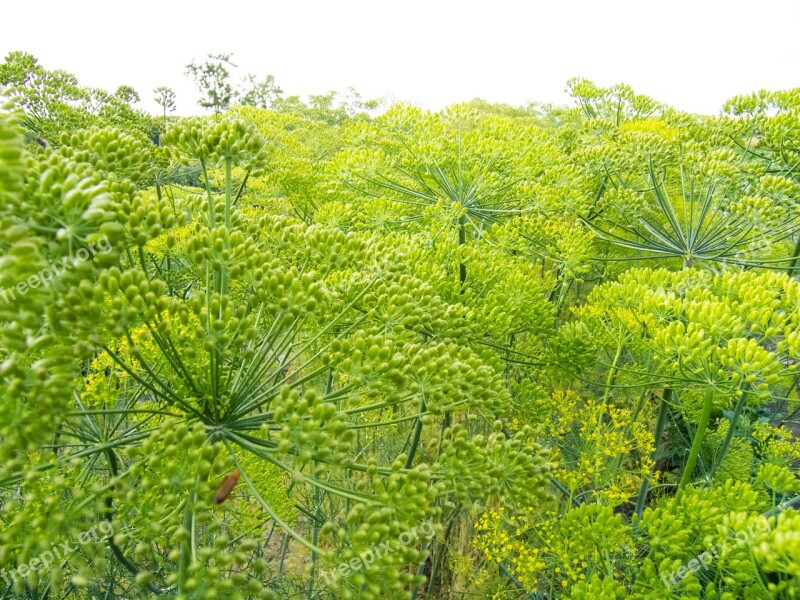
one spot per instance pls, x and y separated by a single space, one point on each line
565 336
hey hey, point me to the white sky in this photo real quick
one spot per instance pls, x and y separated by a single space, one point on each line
692 54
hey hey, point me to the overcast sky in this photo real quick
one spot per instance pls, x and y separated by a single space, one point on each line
691 54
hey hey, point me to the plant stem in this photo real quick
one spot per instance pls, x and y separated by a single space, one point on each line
228 192
241 188
228 201
284 550
187 548
315 541
612 370
661 421
211 215
420 571
462 240
699 436
729 435
415 440
795 256
443 546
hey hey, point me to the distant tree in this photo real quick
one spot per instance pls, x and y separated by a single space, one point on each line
212 78
331 108
262 94
54 103
353 103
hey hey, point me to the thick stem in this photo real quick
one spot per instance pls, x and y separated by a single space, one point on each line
284 550
440 554
462 239
113 466
241 188
562 295
415 440
420 571
591 214
315 541
445 426
228 201
699 436
723 450
187 548
661 422
212 217
228 192
612 371
795 257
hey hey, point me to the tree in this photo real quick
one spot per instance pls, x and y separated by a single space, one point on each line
212 78
54 103
261 94
332 108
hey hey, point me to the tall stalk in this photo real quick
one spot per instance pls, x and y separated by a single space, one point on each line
795 256
612 371
699 436
729 435
228 201
462 240
661 421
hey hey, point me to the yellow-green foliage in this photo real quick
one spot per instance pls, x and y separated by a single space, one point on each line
562 341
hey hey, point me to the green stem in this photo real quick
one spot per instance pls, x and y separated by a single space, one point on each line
462 240
228 192
187 546
637 409
562 295
629 426
284 550
228 201
729 435
661 421
415 440
113 466
613 370
241 188
699 436
795 257
563 489
212 219
420 571
445 426
315 541
211 215
438 559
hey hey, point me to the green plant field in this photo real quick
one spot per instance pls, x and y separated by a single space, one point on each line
351 349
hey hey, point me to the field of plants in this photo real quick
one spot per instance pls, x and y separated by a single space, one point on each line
332 349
